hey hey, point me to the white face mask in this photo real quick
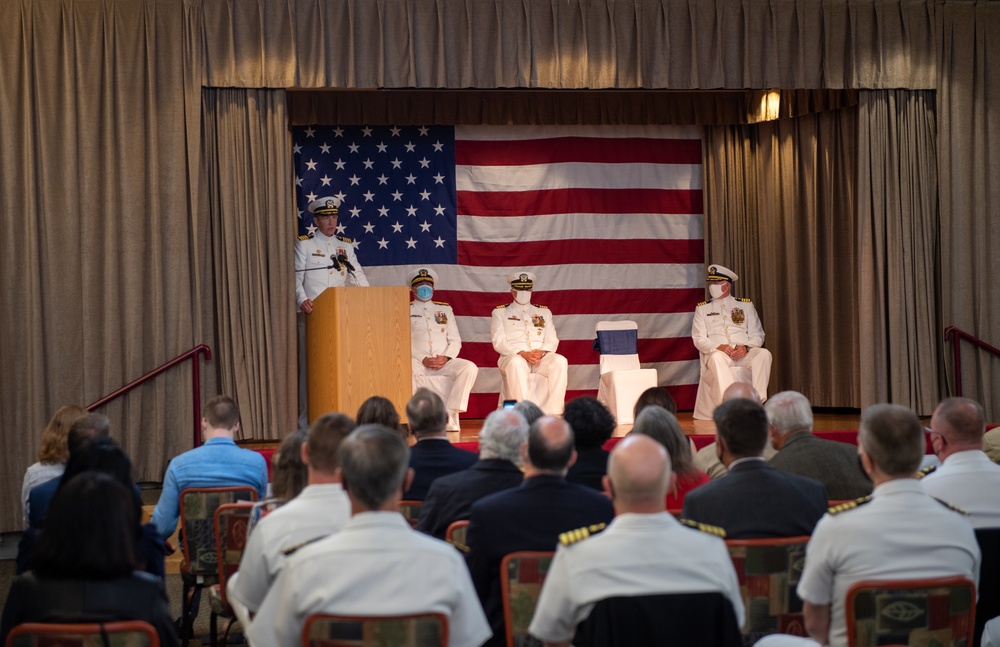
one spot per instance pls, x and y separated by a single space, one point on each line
715 289
522 297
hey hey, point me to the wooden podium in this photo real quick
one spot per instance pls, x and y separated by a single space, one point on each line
358 345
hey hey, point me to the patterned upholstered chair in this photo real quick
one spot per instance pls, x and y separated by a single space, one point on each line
521 577
411 510
456 534
938 611
200 566
231 529
126 633
417 630
768 572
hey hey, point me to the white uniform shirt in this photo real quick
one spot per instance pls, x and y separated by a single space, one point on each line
726 321
376 565
433 330
971 481
318 511
515 328
638 554
315 252
36 474
900 534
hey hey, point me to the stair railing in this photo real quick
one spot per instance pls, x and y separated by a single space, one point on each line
958 335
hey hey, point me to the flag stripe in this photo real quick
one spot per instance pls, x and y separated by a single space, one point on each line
658 135
571 175
580 351
567 302
539 203
624 151
624 226
560 252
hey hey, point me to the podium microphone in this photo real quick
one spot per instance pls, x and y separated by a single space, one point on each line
346 263
335 260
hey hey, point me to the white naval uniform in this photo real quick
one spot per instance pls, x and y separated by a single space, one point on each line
901 533
318 511
731 321
315 252
376 565
515 328
433 331
971 481
638 554
991 633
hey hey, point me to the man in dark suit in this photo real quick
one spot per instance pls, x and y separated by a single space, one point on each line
833 464
433 456
753 499
451 497
532 516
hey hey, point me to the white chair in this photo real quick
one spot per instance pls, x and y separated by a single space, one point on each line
622 378
706 401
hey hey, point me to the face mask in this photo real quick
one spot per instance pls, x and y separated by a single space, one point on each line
523 297
715 290
424 292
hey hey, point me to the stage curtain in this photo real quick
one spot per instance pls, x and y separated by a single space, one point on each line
247 160
779 211
899 291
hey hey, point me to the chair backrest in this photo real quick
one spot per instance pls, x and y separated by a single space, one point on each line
911 612
618 343
124 633
521 577
231 521
704 619
411 511
988 602
414 630
198 507
768 571
456 534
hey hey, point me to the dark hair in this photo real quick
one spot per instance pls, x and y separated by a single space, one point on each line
655 395
90 426
222 412
548 457
374 460
90 531
425 413
325 437
377 410
591 421
742 424
100 454
289 473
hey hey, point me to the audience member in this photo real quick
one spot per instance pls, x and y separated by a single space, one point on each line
654 396
592 426
289 476
52 453
753 499
898 533
991 444
321 509
662 426
532 516
451 497
432 456
991 634
833 464
377 410
644 551
707 458
967 477
84 566
217 463
376 565
529 410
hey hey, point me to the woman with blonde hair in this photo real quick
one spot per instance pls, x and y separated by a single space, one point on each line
53 453
663 427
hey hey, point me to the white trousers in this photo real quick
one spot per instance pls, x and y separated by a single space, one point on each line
720 365
515 370
461 375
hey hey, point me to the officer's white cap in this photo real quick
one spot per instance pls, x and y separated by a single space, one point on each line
719 273
327 206
420 275
521 280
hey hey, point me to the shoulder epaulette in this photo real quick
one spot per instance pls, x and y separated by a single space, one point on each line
704 527
538 305
345 239
292 549
306 237
927 470
744 300
500 306
850 505
440 303
572 536
957 509
703 303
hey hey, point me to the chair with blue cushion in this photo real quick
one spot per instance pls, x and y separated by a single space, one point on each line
622 377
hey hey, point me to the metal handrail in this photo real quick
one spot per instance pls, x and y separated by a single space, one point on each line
952 331
195 384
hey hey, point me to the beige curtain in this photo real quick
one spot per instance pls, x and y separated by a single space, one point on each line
248 149
899 258
779 211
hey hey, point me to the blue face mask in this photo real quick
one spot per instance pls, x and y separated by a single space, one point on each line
425 292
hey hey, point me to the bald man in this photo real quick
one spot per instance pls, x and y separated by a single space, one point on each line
707 458
644 551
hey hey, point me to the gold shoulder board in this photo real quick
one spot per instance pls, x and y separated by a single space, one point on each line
850 505
744 300
703 303
573 536
500 306
957 509
345 239
306 237
927 470
292 549
704 527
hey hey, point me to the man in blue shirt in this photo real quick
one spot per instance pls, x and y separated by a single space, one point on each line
217 463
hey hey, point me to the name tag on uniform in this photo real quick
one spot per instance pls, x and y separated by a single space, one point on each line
416 316
318 253
712 314
512 319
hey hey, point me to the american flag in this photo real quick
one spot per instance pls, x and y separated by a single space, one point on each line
609 218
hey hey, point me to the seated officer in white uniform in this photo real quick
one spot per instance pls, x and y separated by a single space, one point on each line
434 347
525 336
728 333
323 259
